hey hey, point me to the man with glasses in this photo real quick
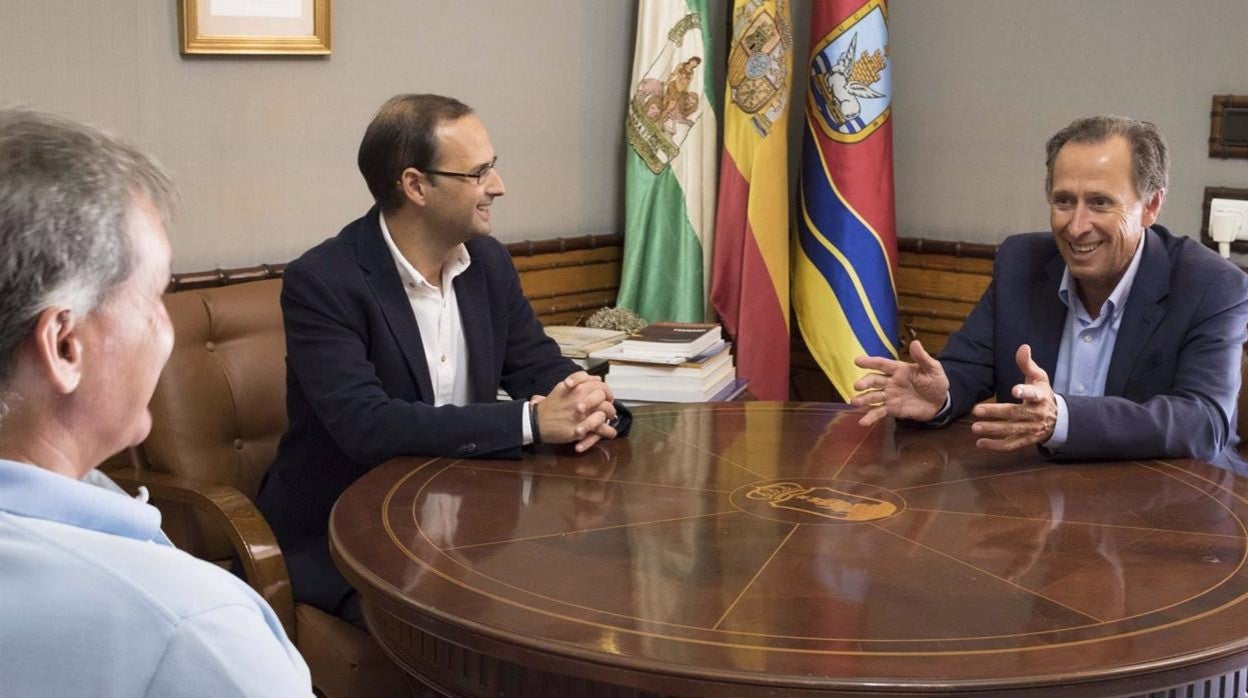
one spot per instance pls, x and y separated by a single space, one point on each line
401 329
1110 338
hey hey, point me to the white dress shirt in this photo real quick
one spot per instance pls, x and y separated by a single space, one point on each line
441 330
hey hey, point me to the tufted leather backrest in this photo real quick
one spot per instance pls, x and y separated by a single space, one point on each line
220 404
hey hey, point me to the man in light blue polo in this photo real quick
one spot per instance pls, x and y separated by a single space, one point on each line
94 601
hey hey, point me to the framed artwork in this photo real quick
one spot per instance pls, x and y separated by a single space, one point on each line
1228 127
298 27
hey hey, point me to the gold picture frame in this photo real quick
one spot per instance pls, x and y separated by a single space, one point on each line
254 27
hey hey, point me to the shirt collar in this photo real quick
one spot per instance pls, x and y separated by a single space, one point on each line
31 491
1117 299
458 262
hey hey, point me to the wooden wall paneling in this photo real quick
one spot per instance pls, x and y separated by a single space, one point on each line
566 279
569 282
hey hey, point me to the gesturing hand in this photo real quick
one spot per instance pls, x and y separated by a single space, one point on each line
1009 426
899 388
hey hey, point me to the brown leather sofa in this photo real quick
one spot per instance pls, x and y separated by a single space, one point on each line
217 414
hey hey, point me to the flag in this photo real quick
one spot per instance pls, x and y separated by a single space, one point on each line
750 279
669 182
845 251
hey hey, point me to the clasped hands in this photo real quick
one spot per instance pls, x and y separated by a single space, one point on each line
917 391
578 409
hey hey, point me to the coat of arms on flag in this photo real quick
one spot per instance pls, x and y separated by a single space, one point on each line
850 80
758 64
843 290
671 123
664 108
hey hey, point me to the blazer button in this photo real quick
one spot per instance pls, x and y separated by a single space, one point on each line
470 449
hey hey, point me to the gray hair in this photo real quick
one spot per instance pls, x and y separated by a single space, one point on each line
1150 163
66 191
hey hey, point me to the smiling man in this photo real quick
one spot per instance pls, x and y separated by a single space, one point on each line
401 329
1110 338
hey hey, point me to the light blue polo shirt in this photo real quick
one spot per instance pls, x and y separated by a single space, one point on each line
94 601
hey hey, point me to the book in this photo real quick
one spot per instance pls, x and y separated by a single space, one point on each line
579 342
658 391
666 343
688 338
731 391
694 383
697 366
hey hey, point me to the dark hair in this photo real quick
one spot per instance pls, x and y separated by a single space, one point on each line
66 192
1150 163
403 134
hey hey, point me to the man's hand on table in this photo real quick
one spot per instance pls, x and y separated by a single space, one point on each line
1009 426
578 409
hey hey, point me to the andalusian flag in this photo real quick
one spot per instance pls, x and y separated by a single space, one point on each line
846 242
669 178
750 283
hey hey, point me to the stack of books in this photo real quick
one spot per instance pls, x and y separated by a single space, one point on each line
672 362
666 343
577 343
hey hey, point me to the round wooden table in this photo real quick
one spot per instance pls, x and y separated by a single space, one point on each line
769 549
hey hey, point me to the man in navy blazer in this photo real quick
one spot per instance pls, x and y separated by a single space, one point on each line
401 329
1142 331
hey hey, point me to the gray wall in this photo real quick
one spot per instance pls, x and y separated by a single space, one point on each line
980 85
264 149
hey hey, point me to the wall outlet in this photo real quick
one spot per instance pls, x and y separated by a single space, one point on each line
1228 221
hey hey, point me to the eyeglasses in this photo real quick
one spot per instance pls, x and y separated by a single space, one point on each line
478 175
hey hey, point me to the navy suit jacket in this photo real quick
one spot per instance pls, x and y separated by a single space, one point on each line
1174 375
358 389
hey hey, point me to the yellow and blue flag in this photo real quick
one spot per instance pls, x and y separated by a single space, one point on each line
845 247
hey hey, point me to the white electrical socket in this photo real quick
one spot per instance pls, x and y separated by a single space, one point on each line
1228 221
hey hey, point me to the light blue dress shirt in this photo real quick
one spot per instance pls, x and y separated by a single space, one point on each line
1087 344
94 601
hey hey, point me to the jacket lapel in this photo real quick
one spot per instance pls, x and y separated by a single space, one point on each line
1142 313
474 317
1047 315
383 280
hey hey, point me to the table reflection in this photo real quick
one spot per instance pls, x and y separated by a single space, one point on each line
787 544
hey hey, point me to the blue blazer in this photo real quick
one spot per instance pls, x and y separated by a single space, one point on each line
1174 376
358 389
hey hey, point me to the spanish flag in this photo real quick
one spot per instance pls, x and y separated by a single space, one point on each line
845 249
669 179
750 280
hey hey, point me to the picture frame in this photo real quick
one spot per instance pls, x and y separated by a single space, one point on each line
1211 193
254 27
1228 127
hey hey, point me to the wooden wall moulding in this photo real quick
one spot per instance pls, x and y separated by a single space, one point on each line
1211 193
1228 127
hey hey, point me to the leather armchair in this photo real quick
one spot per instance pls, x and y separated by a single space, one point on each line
217 414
